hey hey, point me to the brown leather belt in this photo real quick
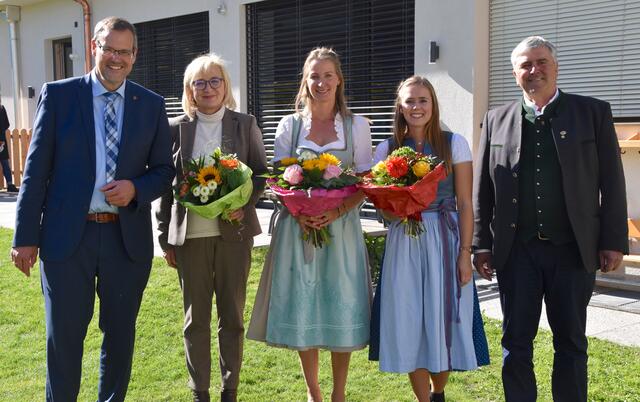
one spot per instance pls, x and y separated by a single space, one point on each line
102 217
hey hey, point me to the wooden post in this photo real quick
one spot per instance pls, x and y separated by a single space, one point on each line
14 155
25 140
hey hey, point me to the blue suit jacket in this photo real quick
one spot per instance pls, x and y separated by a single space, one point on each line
60 170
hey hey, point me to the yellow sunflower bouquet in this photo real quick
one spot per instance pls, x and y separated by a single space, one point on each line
214 185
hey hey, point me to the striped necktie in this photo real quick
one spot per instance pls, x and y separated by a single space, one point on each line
111 135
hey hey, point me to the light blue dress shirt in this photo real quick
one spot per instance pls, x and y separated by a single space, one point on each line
98 201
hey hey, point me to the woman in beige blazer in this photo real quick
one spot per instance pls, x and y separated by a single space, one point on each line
212 255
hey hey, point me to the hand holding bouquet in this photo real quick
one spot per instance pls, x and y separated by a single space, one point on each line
404 184
310 185
214 185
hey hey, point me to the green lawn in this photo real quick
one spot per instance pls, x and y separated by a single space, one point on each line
268 374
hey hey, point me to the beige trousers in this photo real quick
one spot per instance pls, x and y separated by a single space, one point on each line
206 266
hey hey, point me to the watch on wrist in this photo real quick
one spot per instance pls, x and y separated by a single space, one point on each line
468 249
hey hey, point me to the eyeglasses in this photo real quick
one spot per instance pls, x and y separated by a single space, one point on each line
201 85
113 52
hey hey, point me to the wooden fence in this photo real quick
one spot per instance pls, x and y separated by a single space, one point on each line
18 145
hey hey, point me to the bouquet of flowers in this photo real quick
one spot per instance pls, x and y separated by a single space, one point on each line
312 184
404 184
214 185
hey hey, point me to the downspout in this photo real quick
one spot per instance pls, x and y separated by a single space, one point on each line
86 13
13 16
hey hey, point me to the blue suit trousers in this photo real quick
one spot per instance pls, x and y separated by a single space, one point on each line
100 264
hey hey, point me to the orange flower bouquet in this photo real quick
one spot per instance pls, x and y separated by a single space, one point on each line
404 184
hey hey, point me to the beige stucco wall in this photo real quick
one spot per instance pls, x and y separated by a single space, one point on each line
461 30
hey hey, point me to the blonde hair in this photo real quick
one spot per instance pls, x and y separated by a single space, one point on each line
304 96
433 133
199 65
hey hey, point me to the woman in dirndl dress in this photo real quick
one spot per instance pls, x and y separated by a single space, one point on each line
319 298
426 290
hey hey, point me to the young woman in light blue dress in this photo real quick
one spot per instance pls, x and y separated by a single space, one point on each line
318 298
426 300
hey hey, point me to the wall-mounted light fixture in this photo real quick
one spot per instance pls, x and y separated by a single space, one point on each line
434 52
222 8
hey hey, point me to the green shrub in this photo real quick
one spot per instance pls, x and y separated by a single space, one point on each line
375 249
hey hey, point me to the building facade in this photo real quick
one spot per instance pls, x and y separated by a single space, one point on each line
380 41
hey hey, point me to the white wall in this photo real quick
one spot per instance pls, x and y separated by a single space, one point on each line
55 19
452 24
39 24
461 32
226 32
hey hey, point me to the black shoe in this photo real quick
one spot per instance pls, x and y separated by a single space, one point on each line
11 188
437 397
229 395
201 396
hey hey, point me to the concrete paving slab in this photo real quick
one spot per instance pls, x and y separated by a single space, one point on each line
628 335
603 323
616 299
7 209
612 300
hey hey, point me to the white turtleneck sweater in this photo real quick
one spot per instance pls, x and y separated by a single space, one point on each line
208 138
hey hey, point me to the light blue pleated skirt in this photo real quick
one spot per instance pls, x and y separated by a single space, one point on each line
318 302
420 308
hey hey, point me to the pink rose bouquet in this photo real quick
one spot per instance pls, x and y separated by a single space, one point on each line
311 185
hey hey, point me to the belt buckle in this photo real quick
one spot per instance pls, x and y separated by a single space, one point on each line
542 237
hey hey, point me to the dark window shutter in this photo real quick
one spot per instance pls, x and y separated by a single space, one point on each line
165 48
375 41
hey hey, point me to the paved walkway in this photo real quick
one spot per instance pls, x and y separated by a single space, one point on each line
613 314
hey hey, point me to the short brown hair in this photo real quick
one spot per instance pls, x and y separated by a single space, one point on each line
106 25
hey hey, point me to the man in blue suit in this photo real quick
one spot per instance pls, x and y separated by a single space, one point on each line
100 153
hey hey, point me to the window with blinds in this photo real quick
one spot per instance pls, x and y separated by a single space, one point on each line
165 48
598 48
374 38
